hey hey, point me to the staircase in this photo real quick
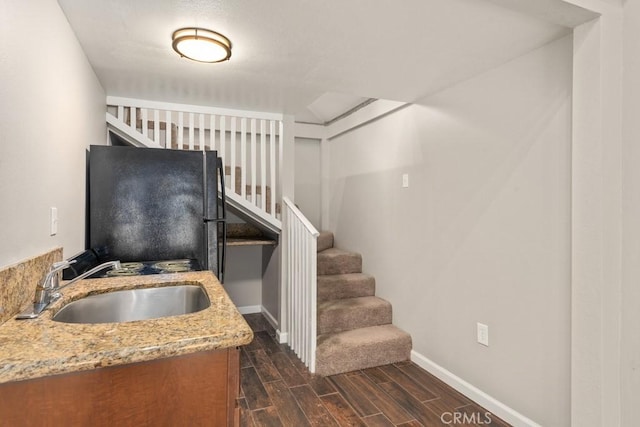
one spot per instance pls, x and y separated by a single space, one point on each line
329 312
354 326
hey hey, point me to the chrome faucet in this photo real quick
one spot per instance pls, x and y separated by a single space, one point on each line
50 289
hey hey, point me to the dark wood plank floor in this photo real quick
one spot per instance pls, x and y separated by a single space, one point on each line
278 390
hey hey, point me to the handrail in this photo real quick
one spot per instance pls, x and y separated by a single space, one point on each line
157 105
303 219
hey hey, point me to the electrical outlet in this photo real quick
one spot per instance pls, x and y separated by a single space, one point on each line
53 221
483 334
405 180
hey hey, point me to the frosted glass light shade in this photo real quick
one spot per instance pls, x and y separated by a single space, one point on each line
202 45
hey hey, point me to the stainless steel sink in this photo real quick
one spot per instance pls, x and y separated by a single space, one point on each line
135 304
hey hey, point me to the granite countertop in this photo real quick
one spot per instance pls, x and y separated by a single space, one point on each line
39 347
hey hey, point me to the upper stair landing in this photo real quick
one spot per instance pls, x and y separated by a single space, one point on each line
249 143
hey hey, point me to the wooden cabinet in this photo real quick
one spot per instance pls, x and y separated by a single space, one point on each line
198 389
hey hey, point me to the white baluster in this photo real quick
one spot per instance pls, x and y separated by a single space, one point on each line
201 130
156 126
272 165
133 117
180 130
212 133
232 164
280 161
191 131
168 127
243 157
145 124
254 195
263 164
223 138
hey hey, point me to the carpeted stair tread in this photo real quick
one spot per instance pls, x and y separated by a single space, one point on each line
337 261
325 241
339 286
352 313
361 348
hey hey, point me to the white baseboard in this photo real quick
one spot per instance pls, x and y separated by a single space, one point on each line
483 399
282 337
269 317
250 309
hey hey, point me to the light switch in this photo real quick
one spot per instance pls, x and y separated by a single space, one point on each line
53 216
483 334
405 180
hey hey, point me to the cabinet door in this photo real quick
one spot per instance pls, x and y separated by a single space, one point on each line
195 390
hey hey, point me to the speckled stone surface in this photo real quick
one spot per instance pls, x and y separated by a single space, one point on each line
18 282
39 347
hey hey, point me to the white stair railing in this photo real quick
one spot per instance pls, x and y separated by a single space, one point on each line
299 238
250 144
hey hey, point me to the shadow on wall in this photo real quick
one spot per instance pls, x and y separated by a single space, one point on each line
482 233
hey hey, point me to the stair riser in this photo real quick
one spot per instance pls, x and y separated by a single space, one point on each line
341 264
331 321
345 286
325 241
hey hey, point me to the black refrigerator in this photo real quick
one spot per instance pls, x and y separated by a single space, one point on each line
148 204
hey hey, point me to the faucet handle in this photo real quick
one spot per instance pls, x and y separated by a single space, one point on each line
51 280
61 265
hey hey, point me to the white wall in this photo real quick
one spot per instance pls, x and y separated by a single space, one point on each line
52 108
307 178
271 280
483 232
243 275
630 316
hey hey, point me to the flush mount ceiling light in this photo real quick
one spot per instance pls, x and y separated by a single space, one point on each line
202 45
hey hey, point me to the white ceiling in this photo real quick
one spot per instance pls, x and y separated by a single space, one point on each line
289 54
